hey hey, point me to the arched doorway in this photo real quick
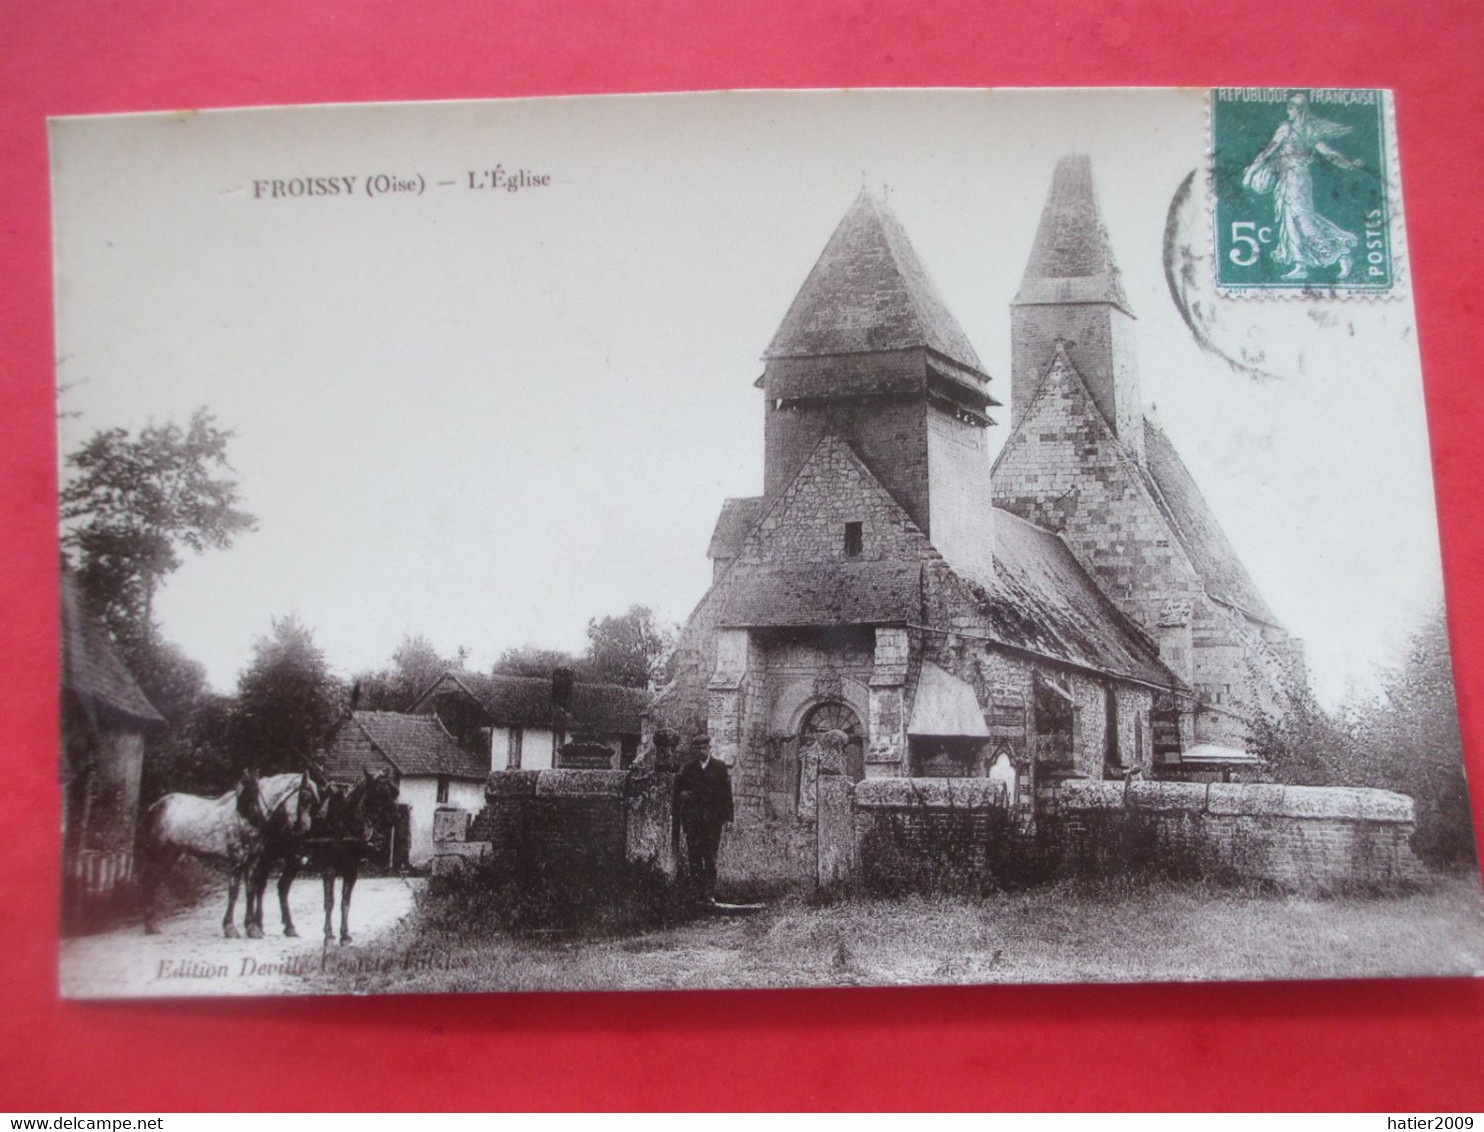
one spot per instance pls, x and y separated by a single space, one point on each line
835 715
1002 770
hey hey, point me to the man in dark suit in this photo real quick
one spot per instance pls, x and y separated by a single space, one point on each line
703 805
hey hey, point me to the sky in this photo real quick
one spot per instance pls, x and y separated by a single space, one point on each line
486 415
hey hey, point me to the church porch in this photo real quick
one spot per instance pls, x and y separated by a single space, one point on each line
912 705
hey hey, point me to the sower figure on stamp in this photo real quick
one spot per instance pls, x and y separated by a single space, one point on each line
703 805
1284 168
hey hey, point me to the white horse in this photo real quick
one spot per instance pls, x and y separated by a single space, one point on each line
229 831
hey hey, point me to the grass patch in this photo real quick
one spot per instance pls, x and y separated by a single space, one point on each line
1072 931
553 897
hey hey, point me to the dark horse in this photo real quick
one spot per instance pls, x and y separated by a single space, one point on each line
350 824
231 831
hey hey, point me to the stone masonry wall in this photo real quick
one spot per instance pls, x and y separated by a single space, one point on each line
888 431
681 704
931 464
833 488
930 834
915 834
1300 838
1065 470
1099 339
926 834
805 525
961 522
590 820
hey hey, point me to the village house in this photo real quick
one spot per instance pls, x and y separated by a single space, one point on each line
533 723
435 772
465 725
105 720
1072 611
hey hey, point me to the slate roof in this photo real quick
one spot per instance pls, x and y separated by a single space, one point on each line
1187 512
1071 260
1043 602
945 705
868 291
525 701
823 593
1037 597
414 744
736 519
92 671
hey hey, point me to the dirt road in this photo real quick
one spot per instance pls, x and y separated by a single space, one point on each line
191 957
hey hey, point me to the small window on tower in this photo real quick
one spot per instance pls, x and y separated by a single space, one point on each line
853 542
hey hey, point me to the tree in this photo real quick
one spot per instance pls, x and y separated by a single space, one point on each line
171 681
415 665
177 758
135 504
196 755
1404 737
288 703
535 660
628 649
1408 739
1304 744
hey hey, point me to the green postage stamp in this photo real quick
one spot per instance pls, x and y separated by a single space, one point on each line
1301 185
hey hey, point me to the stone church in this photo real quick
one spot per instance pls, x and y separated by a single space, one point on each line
1072 610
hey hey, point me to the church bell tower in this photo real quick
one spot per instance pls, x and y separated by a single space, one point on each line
869 351
1072 293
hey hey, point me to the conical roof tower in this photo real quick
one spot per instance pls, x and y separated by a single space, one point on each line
868 350
1071 260
868 292
1072 293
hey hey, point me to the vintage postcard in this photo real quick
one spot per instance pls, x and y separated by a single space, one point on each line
749 540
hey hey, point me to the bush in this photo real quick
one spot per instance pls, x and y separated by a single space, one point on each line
567 895
946 849
1404 736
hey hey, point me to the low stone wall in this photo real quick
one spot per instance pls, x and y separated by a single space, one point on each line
928 834
576 819
1301 838
957 834
934 834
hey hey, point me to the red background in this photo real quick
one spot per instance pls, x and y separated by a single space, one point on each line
1370 1045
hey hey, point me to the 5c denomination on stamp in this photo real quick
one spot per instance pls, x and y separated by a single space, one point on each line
1300 179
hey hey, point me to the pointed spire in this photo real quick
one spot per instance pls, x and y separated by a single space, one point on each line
1071 260
869 292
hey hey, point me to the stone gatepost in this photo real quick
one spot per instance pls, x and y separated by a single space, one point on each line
886 750
819 760
450 824
834 812
836 831
649 818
